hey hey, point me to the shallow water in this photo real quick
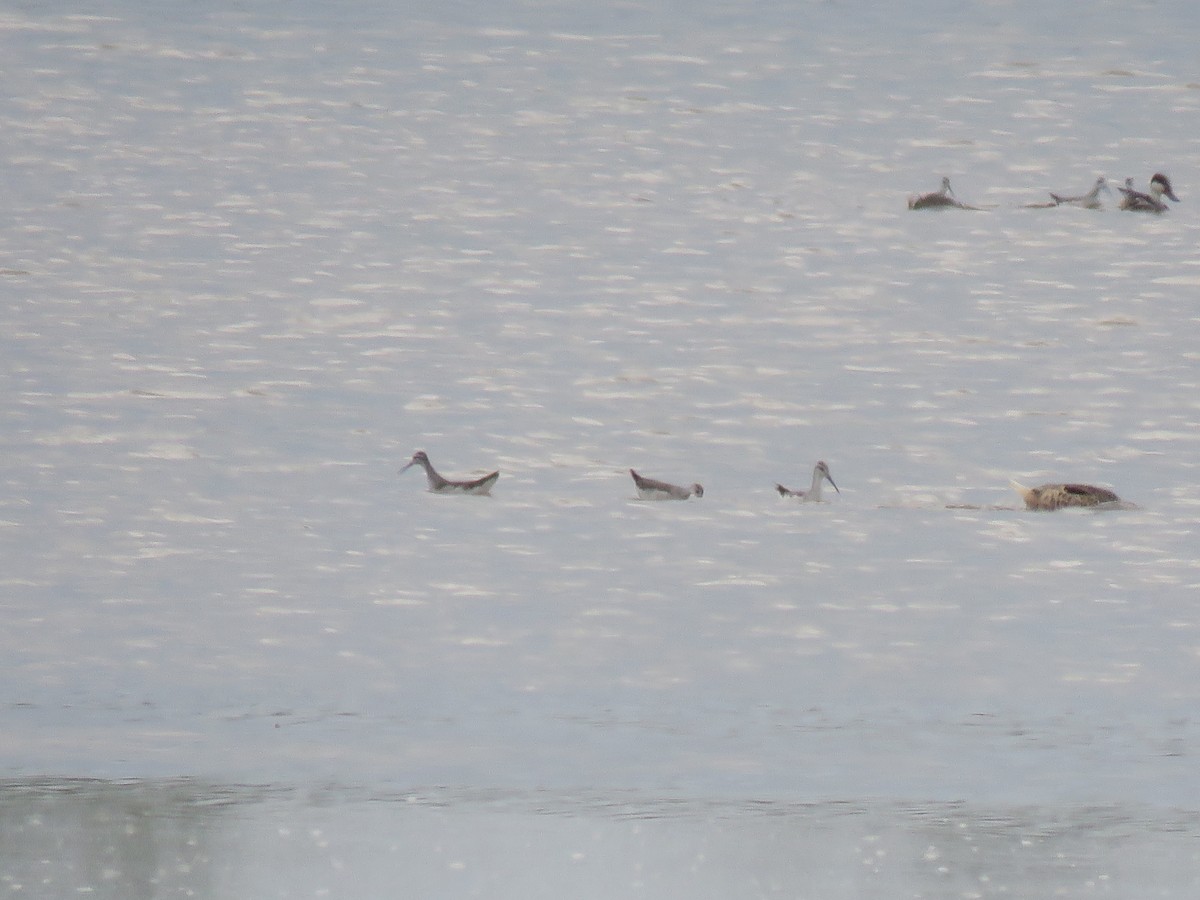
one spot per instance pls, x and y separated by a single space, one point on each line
235 840
254 259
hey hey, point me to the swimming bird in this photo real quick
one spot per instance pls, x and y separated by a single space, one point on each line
480 487
650 489
1059 496
1136 201
940 199
1090 200
820 474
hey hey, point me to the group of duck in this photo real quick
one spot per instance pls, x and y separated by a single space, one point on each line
1131 200
1046 497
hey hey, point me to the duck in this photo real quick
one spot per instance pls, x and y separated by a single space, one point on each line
479 487
652 489
1136 201
1061 496
813 494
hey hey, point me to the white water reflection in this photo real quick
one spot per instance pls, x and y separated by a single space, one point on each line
171 838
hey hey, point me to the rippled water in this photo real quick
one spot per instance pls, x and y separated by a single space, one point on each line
254 258
225 840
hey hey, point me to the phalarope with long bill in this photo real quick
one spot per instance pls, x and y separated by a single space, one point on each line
940 199
1090 200
813 494
479 487
652 489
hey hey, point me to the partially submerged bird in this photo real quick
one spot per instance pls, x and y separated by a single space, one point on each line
651 489
1090 200
1060 496
939 199
820 475
1136 201
480 487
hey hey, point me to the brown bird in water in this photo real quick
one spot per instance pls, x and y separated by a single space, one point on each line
652 489
1059 496
940 199
820 474
480 487
1136 201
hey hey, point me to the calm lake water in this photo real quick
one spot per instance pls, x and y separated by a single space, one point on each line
255 256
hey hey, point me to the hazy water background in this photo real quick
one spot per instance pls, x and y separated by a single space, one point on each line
256 255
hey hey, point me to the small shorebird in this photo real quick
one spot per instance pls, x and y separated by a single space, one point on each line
940 199
1136 201
650 489
1090 200
820 474
480 487
1059 496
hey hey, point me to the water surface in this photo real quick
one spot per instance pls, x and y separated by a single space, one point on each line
254 258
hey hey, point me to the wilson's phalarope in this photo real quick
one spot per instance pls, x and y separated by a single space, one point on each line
480 487
940 199
1059 496
820 474
650 489
1090 200
1136 201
